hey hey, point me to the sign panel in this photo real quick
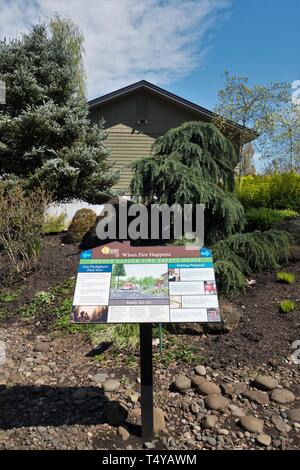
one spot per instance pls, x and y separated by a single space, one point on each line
120 283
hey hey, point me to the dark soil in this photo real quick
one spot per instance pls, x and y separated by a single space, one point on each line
264 335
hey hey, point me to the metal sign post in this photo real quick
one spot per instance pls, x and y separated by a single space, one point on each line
146 380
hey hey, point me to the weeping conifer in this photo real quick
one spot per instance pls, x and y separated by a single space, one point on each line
193 164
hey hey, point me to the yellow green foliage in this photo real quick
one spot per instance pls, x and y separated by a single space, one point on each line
287 306
287 278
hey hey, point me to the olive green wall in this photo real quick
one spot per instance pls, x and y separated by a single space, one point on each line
131 141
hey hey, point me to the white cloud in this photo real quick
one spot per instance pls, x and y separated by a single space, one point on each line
128 40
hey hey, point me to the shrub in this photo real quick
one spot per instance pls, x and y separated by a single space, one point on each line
287 306
55 223
264 218
287 278
279 191
241 254
21 225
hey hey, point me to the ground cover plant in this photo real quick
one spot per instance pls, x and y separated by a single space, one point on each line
287 306
287 278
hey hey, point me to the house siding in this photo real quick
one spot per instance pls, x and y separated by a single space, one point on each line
130 141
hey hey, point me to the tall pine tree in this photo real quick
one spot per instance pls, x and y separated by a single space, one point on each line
46 137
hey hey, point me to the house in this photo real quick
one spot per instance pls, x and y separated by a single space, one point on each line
139 113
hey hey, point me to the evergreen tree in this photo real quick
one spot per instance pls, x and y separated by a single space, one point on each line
118 271
45 133
193 164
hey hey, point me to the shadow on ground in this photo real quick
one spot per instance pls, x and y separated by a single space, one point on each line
25 406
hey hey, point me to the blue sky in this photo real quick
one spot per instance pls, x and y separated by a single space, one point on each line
181 45
259 39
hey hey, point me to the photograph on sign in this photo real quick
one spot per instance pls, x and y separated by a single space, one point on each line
118 283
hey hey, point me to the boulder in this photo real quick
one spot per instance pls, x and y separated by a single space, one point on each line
264 440
182 383
81 223
294 415
258 397
252 424
282 396
206 388
216 402
200 370
265 382
111 385
197 380
230 318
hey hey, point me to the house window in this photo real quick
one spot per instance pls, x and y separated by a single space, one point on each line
142 109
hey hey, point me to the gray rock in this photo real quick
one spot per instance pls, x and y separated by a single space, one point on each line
41 346
280 425
252 424
236 411
294 415
182 383
264 440
149 445
200 370
265 382
256 396
111 385
207 388
209 421
216 402
212 441
99 378
282 396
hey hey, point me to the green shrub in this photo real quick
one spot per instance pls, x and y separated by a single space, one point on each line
287 306
264 218
279 191
287 278
55 223
241 254
21 226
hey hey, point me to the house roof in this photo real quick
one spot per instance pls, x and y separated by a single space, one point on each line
143 84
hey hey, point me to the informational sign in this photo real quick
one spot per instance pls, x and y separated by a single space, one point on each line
120 283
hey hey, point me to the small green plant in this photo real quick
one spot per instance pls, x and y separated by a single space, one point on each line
287 306
8 297
55 223
287 278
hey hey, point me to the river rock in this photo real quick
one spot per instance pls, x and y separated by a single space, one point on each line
265 382
99 378
282 396
207 388
236 411
280 425
294 415
209 421
182 383
264 440
261 398
197 380
111 385
252 424
216 402
200 370
41 346
159 423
